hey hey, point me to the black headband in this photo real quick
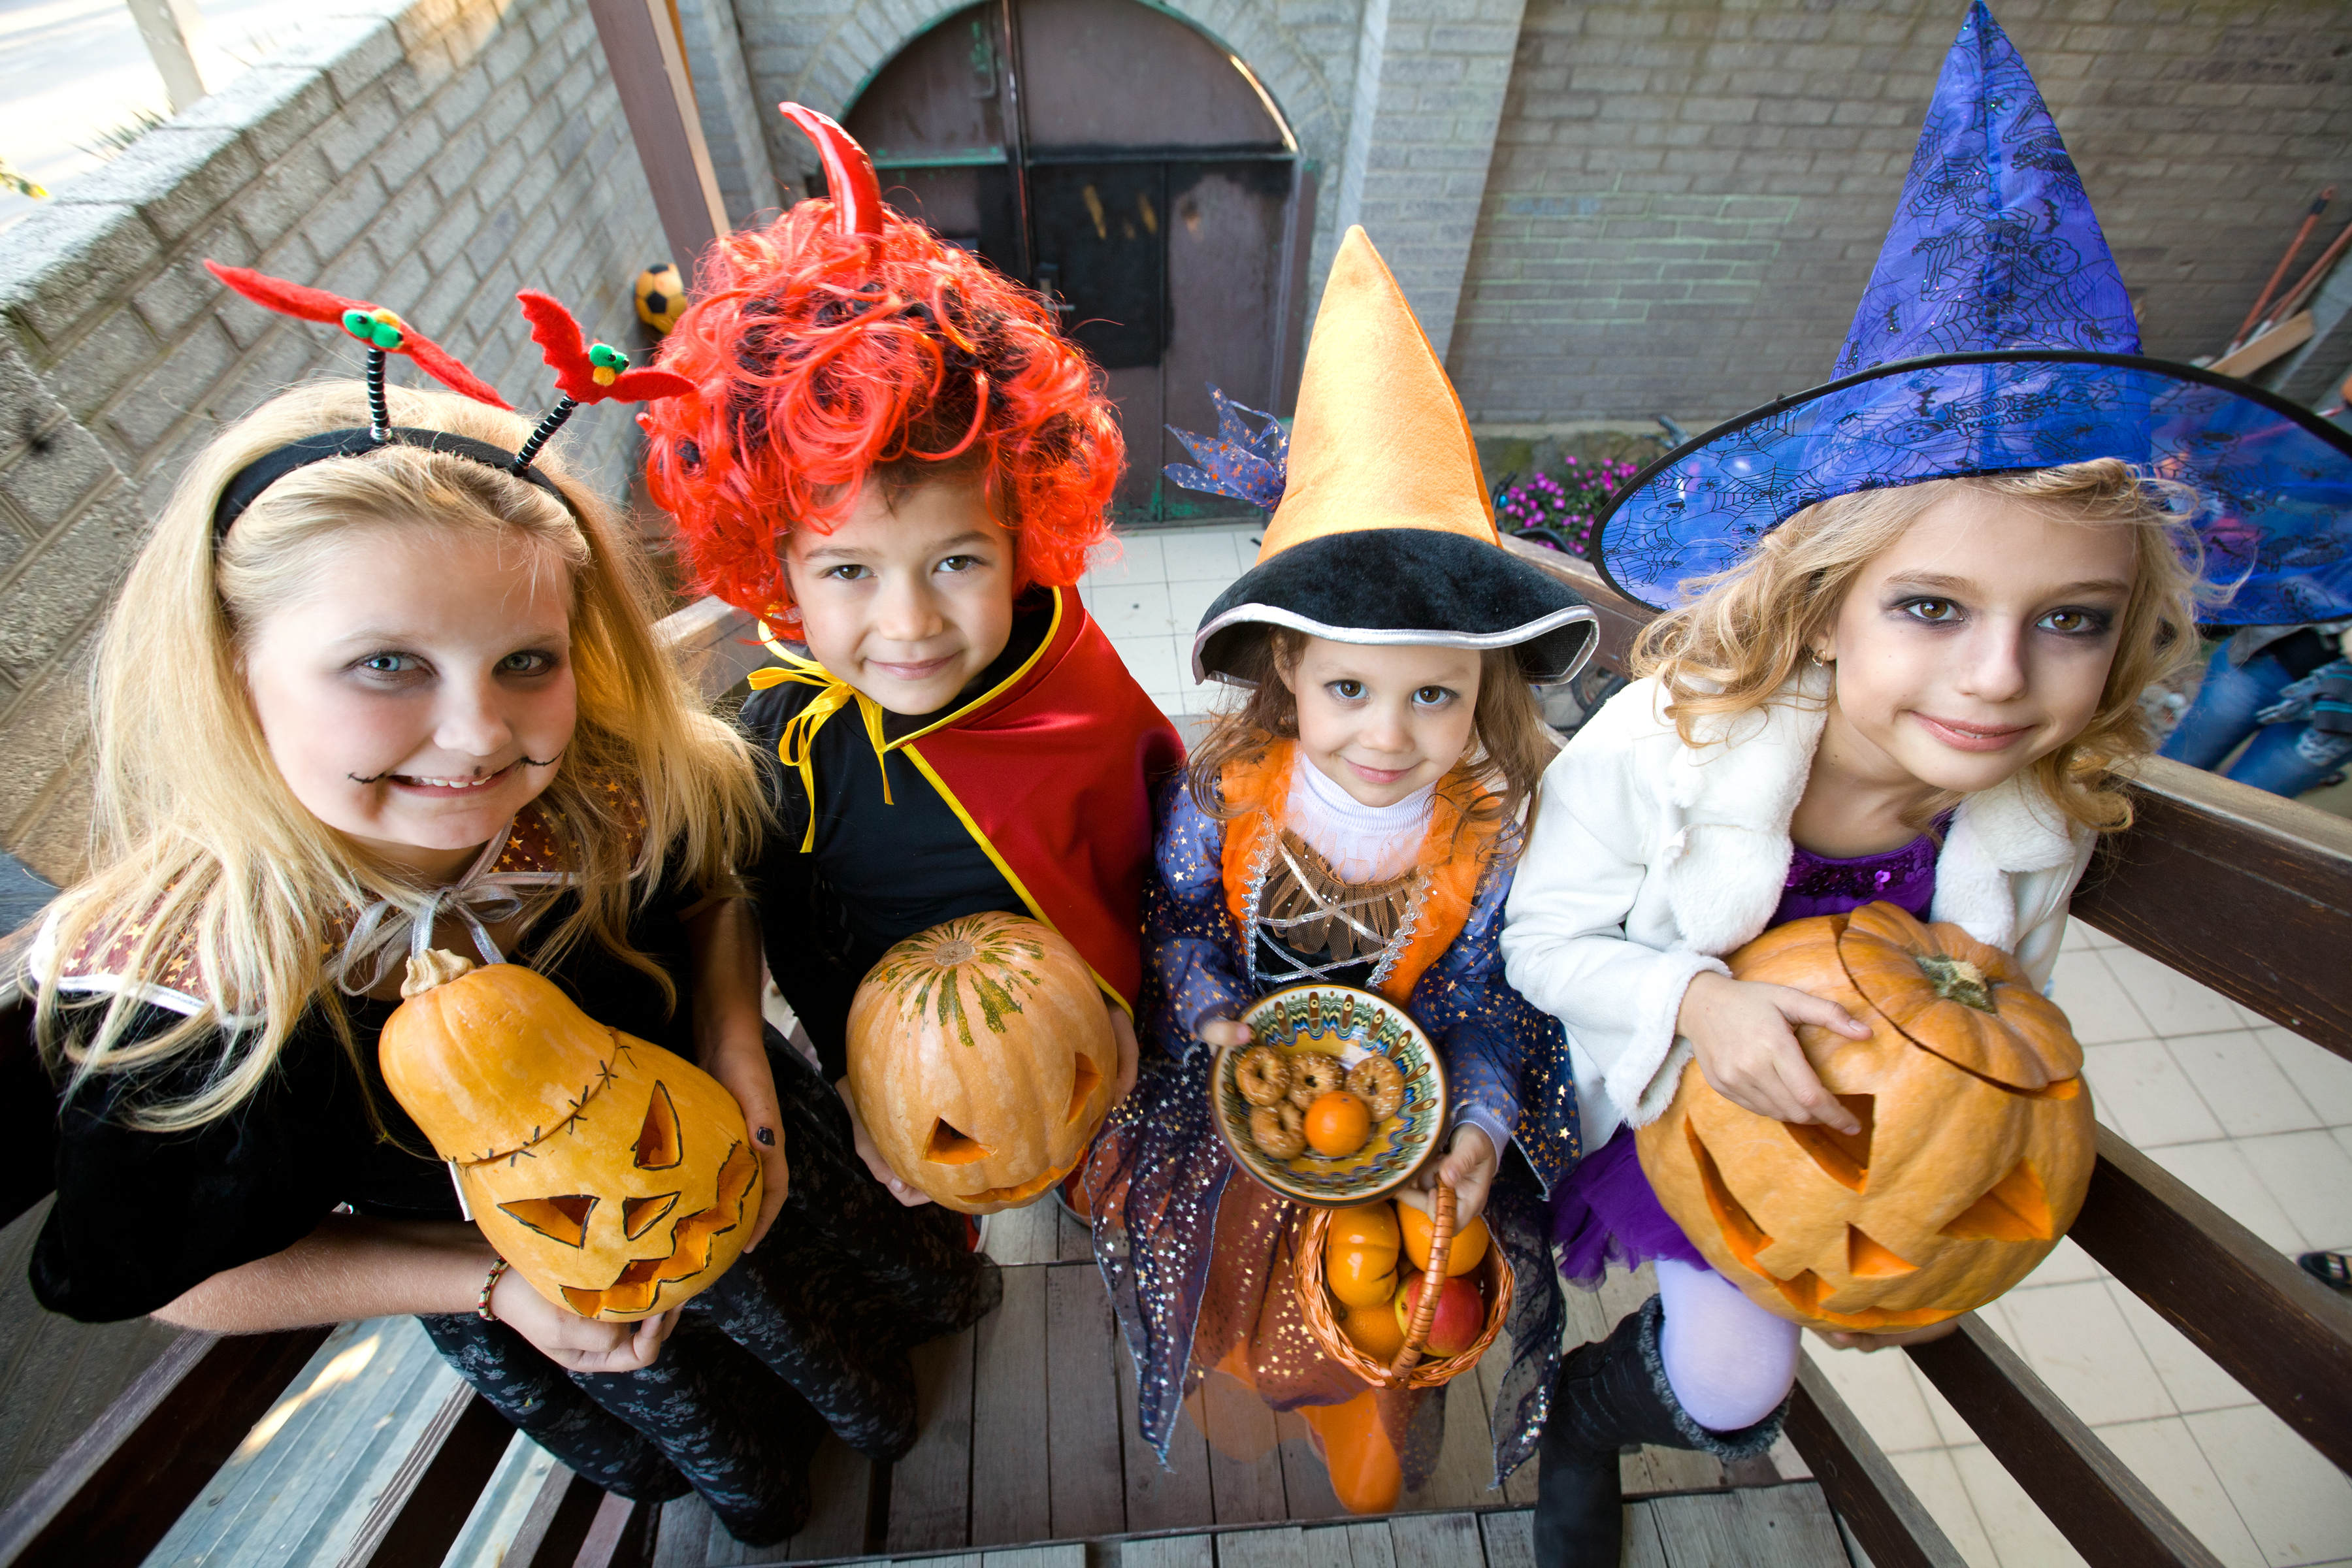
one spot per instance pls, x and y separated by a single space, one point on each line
266 470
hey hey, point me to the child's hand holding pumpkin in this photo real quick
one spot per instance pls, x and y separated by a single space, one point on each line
571 1341
1743 1033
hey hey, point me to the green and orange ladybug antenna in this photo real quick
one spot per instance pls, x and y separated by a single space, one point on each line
585 372
382 332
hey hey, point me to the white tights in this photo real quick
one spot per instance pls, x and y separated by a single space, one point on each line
1728 1360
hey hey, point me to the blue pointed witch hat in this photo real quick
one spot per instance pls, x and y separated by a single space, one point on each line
1996 336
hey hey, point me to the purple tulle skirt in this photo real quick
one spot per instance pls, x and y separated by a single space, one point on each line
1605 1213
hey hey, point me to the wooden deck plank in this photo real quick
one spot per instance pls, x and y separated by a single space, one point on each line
839 1480
1260 1548
682 1537
1011 1501
1236 1422
1465 1456
1082 1434
1032 1235
930 1489
1306 1479
1169 1551
1758 1527
1077 1243
1070 1556
1370 1545
1435 1540
1510 1538
1169 1496
1643 1547
1520 1489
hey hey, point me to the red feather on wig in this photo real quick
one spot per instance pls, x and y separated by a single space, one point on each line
842 338
317 305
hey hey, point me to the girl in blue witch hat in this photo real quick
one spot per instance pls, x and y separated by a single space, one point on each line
1909 617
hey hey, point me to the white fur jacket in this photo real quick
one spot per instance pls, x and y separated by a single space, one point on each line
1650 858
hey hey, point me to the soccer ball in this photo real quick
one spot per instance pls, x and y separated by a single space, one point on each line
661 295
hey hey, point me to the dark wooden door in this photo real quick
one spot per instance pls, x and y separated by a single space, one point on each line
1133 171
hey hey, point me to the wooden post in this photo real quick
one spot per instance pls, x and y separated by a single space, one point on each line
169 30
648 66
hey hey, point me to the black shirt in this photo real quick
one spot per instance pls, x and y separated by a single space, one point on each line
140 1217
877 873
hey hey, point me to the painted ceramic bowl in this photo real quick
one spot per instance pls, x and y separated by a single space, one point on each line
1350 1024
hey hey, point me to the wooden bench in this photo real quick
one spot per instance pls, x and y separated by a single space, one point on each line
2247 893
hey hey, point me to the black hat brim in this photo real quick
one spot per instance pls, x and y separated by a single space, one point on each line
1393 585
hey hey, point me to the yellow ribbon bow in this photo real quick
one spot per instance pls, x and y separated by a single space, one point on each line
796 748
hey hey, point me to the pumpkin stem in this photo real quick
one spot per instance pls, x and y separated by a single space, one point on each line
1957 980
437 966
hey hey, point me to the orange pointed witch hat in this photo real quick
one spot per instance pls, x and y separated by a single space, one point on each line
1382 531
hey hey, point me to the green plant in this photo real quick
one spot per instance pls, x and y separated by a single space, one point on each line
113 139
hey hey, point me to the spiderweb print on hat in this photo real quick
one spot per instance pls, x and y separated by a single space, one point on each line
1996 335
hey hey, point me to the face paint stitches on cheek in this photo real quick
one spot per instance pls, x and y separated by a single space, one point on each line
421 692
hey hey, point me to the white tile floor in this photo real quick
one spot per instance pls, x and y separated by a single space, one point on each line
2252 1116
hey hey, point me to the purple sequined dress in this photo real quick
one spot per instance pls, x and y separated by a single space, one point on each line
1606 1212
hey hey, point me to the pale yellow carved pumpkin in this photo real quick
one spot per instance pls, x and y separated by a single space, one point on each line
980 1060
613 1175
1975 1149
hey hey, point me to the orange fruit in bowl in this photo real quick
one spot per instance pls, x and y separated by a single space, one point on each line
1373 1329
1469 1242
1338 1124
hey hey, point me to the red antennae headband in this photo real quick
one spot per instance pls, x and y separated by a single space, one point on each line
848 172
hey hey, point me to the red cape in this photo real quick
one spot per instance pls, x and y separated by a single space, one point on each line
1052 774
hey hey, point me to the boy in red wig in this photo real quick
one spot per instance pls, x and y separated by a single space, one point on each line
894 457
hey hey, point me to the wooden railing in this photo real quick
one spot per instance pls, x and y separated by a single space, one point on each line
2243 892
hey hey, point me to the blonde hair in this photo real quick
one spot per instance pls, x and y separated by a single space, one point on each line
1510 745
1733 648
206 859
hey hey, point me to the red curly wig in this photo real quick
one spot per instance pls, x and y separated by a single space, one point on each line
821 359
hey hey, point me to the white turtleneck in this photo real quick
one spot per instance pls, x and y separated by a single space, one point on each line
1360 843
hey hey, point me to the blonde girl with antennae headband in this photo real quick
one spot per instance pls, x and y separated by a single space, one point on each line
375 683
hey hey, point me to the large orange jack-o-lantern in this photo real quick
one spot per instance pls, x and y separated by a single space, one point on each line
615 1176
980 1060
1976 1144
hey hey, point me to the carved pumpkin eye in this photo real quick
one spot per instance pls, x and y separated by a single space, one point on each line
564 1219
949 1147
1843 1157
2016 1208
1082 1088
659 1146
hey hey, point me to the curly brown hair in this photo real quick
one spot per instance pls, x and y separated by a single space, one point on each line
1512 745
1730 650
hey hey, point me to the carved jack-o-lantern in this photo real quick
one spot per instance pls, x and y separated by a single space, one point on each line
613 1175
981 1061
1976 1145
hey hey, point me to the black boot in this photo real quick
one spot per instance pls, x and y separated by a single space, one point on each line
1613 1396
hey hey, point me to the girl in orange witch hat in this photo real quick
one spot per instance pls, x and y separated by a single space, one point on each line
1353 821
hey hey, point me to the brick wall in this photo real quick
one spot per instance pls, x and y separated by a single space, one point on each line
434 162
1686 195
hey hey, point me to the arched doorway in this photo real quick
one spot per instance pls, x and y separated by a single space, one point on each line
1124 163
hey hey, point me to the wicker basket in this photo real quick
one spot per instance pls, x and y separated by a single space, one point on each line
1409 1369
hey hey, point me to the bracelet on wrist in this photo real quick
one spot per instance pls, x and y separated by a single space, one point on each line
482 1298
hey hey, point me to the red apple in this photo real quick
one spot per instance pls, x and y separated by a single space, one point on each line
1461 1313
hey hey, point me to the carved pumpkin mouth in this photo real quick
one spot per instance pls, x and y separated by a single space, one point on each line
638 1285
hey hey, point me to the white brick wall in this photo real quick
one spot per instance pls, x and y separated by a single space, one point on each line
434 163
